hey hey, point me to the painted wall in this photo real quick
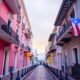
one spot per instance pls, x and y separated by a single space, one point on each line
67 48
21 60
4 11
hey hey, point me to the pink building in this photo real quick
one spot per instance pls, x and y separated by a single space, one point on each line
11 35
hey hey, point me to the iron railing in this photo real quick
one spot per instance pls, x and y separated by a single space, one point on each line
10 32
65 28
59 73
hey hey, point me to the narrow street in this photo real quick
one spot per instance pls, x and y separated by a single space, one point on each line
39 39
40 73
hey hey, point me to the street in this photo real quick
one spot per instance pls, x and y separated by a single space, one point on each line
39 39
40 73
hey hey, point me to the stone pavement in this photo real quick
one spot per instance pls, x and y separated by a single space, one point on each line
40 73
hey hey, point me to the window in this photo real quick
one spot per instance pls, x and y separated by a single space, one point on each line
72 14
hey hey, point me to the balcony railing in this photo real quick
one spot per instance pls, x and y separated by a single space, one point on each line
65 28
10 32
27 48
52 48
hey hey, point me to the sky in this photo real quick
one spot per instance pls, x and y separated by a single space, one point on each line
42 14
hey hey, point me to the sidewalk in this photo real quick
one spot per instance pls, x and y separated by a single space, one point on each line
23 78
55 78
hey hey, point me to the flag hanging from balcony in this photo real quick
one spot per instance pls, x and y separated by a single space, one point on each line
75 25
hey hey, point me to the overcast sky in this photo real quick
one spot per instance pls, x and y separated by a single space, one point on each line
42 14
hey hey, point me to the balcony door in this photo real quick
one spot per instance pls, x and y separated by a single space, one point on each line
75 55
6 61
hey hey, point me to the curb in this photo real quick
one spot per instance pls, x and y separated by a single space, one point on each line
54 77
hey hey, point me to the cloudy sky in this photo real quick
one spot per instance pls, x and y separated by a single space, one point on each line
42 14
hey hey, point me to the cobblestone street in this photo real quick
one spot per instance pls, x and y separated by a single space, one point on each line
40 73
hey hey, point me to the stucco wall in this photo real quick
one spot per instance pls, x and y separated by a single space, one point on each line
67 49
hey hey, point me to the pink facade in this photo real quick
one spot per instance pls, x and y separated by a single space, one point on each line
10 54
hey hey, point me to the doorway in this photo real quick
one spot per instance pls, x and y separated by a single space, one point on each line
6 61
75 53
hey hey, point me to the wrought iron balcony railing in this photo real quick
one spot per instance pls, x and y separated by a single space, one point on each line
10 32
65 28
27 48
52 47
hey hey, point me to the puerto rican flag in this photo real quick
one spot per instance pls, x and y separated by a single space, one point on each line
75 25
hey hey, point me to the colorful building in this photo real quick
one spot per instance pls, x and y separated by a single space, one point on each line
26 34
67 40
15 36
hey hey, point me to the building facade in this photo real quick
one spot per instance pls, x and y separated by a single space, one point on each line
67 44
15 36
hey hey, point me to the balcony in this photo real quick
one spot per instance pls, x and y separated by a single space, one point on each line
52 48
27 48
8 34
64 34
51 36
13 5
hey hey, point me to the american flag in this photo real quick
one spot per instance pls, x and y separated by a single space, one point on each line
75 25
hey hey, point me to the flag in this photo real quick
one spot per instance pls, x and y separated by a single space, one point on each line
75 25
